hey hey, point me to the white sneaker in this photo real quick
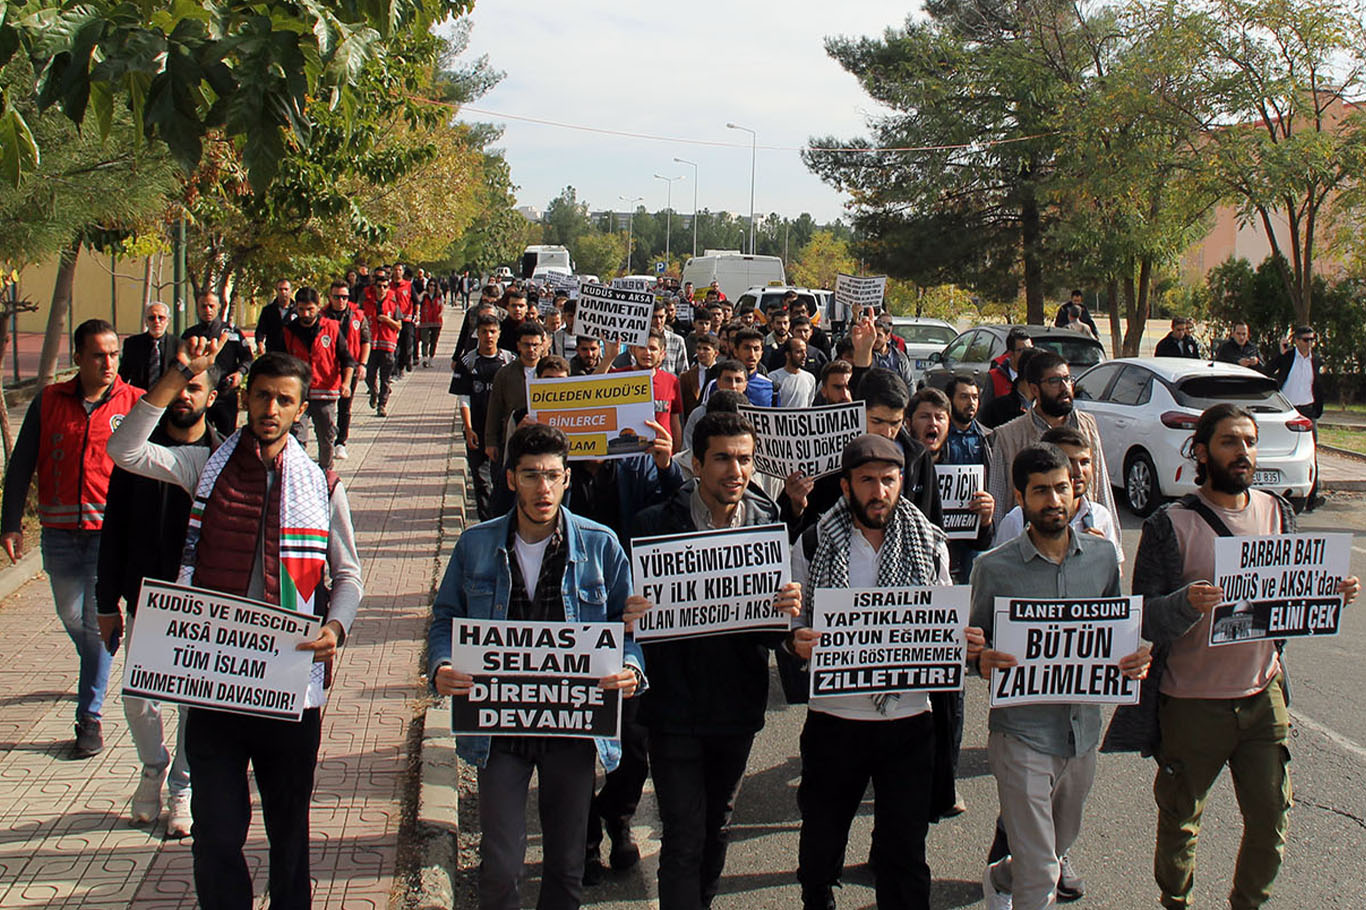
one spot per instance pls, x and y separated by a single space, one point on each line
993 899
180 821
147 797
339 453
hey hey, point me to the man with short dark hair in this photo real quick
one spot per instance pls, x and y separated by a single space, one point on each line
1005 368
1299 370
515 303
481 365
749 350
508 392
355 331
64 437
1004 408
793 383
708 693
835 381
731 376
1076 299
1218 705
1177 342
270 324
234 358
706 348
539 562
1239 348
254 486
587 356
317 342
381 311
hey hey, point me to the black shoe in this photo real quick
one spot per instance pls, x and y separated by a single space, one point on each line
592 867
89 737
382 412
374 401
1071 886
625 853
818 898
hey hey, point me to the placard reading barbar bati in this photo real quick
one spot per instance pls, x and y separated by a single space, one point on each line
614 314
809 440
1068 650
604 415
214 650
1279 586
957 484
877 640
537 678
711 582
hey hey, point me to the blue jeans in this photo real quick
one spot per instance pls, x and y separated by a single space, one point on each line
70 559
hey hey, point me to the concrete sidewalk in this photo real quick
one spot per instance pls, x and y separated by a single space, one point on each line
65 838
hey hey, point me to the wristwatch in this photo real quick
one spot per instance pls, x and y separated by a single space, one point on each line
185 370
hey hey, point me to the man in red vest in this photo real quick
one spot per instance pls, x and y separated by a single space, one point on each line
381 311
63 438
356 331
267 524
317 341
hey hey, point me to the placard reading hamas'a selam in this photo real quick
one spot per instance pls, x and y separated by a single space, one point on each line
877 640
537 678
214 650
853 293
1068 650
604 416
1278 586
810 440
957 484
614 314
711 582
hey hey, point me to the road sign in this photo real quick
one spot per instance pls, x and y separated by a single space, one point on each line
659 268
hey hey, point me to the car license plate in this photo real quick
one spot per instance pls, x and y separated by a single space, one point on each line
1265 478
922 364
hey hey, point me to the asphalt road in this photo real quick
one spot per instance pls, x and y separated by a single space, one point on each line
1324 864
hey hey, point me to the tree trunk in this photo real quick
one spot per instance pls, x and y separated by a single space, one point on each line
1112 301
1133 329
1145 281
1031 235
6 436
146 283
55 335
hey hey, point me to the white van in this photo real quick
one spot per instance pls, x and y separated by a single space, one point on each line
539 257
734 273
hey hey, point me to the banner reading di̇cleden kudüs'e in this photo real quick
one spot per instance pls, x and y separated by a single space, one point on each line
882 640
711 582
537 678
604 416
214 650
1278 586
1068 650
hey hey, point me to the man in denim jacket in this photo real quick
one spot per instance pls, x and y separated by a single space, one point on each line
539 562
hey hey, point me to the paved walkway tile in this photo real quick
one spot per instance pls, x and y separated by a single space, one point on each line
65 835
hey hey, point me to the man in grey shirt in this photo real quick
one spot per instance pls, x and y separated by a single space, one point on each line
1042 756
238 548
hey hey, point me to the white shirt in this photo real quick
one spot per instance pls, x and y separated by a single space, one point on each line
1011 525
1299 385
795 390
863 574
529 559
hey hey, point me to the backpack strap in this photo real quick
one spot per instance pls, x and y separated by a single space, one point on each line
1197 505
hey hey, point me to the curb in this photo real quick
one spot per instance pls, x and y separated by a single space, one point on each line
438 809
14 577
1343 486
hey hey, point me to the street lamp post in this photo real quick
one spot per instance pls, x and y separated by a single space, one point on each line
753 148
630 214
668 211
693 165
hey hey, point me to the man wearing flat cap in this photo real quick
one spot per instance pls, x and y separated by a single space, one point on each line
871 537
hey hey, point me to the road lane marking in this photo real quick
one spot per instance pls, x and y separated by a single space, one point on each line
1361 550
1333 736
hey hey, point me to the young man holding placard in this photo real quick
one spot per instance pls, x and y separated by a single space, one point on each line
541 563
871 537
1219 705
708 693
266 525
1043 756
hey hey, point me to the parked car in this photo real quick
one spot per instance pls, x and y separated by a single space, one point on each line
923 337
1146 409
971 353
765 296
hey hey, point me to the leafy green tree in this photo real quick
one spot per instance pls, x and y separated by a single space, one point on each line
820 260
600 254
566 219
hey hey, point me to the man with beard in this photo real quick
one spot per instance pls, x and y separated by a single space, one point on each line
872 537
1049 380
1042 756
318 343
707 693
234 358
143 537
967 442
795 385
274 316
587 356
253 488
1218 706
836 377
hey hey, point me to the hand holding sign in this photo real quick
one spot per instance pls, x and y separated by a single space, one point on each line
1135 665
623 680
798 487
1204 596
325 645
789 599
662 449
636 606
984 506
450 681
804 641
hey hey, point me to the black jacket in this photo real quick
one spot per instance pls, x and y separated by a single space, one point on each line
713 684
144 530
1279 367
1232 352
137 357
1001 410
1174 347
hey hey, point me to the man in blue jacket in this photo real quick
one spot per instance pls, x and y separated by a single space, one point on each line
566 569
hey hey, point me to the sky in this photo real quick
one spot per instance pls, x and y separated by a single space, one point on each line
673 71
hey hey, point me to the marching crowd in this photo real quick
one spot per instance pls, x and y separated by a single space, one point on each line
143 473
552 547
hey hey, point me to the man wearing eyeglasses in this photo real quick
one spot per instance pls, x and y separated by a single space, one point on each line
149 354
540 563
355 330
1048 380
1300 373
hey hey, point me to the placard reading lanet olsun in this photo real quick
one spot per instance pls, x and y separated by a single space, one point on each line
214 650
